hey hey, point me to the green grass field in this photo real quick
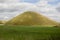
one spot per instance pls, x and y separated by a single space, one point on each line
29 33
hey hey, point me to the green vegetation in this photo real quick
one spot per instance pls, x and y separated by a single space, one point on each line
31 18
29 33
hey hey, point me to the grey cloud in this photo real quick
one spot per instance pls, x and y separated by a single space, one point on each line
2 1
8 1
58 9
8 10
9 15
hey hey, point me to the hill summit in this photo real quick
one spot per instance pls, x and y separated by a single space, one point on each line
30 18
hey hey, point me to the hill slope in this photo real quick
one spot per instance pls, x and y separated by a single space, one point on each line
1 22
30 18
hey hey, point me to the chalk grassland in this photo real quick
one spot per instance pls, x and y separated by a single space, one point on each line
29 33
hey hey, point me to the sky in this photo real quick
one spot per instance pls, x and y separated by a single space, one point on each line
12 8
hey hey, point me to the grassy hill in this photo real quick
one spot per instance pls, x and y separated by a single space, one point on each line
2 22
31 18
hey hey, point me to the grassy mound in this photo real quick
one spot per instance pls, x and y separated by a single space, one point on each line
1 22
30 18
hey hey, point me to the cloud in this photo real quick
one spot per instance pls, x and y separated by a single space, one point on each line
12 8
58 9
4 7
49 10
44 6
9 1
16 5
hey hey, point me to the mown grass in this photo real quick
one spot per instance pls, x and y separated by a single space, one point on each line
29 33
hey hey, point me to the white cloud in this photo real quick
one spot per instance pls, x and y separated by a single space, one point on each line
44 6
49 10
6 17
11 8
9 1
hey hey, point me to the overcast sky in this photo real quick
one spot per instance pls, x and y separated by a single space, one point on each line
11 8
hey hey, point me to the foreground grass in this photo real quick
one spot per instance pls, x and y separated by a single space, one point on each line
29 33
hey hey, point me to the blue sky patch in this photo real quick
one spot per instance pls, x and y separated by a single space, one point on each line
54 2
30 1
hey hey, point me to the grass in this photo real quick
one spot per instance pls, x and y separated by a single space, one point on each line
29 33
